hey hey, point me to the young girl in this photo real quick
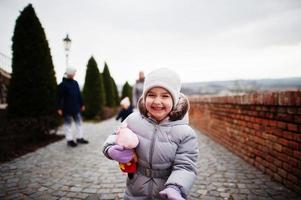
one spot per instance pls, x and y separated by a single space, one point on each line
168 149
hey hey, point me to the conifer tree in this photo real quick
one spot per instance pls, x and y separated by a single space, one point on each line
92 90
115 93
33 88
126 91
102 91
108 85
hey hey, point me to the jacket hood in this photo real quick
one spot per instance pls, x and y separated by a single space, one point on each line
177 113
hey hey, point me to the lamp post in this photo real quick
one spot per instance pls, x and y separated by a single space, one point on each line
67 45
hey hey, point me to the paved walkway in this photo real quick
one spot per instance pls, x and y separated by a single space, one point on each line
59 172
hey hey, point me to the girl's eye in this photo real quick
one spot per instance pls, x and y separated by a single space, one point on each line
165 96
150 95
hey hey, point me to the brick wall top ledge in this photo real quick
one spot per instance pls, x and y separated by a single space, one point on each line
281 98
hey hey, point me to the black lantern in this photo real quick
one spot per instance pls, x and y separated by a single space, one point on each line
67 45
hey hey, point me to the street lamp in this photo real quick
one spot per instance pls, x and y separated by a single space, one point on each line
67 45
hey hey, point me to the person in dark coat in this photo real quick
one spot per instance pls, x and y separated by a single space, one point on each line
126 110
70 106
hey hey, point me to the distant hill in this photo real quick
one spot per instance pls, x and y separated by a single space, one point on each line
240 86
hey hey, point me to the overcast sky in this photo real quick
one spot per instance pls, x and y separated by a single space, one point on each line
200 39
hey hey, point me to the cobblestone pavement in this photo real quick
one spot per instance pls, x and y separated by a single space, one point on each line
61 172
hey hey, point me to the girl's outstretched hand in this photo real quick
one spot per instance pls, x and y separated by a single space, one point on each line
120 154
170 193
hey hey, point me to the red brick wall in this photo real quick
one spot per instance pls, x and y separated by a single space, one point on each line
262 128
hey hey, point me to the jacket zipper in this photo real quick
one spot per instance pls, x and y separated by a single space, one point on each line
151 158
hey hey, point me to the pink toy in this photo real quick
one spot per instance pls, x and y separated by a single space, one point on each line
129 140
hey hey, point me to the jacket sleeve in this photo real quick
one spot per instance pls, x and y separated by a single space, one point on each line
110 141
119 115
80 99
60 99
184 170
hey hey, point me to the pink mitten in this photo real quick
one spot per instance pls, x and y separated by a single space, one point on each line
170 193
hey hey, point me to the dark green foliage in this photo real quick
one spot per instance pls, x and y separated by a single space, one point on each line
33 88
108 85
92 90
21 135
115 93
102 91
126 91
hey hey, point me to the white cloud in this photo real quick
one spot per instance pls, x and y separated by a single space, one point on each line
202 40
278 29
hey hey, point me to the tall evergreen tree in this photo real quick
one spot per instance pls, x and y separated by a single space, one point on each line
92 90
102 91
115 92
108 85
33 88
126 91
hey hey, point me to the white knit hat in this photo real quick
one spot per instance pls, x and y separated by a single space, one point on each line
164 78
125 102
70 70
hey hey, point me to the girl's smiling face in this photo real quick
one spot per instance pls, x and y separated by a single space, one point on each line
158 103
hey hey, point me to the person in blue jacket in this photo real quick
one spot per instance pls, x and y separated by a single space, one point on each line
70 106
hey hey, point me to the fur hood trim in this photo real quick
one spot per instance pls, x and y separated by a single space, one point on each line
177 113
